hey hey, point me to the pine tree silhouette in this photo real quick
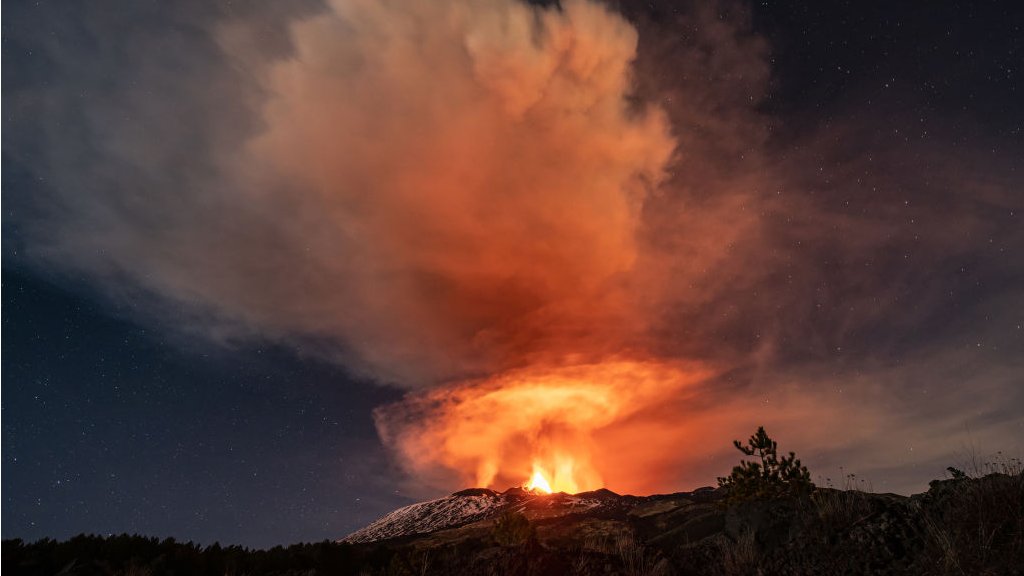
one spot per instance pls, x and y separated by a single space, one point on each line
771 477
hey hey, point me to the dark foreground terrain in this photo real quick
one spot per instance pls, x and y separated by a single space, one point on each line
970 526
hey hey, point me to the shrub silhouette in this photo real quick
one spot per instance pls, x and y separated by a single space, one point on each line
772 477
513 529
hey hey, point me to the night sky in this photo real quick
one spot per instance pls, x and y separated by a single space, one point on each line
173 359
115 428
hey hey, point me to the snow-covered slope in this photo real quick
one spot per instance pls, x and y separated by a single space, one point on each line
477 504
459 508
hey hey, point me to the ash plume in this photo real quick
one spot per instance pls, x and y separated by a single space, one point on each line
517 211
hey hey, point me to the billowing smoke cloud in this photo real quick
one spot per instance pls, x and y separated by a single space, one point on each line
479 173
559 227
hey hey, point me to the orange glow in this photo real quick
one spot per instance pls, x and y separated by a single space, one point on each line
541 423
538 483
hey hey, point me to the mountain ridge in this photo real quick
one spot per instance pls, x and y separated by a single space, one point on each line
473 505
704 532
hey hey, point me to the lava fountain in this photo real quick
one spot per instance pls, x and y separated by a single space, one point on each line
538 483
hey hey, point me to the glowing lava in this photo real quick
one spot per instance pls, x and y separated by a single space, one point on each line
538 483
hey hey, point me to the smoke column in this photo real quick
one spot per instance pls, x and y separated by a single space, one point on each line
480 170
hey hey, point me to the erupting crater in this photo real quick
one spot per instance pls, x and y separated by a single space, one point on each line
538 483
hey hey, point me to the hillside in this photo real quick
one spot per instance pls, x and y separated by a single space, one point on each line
960 526
964 526
481 504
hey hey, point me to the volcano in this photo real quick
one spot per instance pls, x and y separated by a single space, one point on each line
478 507
481 531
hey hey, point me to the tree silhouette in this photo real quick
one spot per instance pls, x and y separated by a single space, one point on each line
771 477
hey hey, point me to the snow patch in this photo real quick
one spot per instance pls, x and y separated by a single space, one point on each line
424 517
